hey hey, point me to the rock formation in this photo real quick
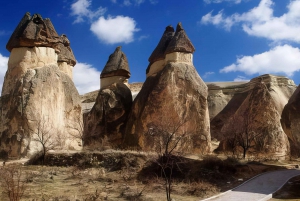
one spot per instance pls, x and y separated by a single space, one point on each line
107 119
38 92
173 98
256 110
220 93
116 69
290 122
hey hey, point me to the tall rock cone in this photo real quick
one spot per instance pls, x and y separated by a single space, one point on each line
172 100
38 95
105 123
251 120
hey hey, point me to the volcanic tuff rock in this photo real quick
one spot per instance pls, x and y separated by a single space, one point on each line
256 109
172 96
38 32
108 117
220 93
173 47
290 121
116 69
37 95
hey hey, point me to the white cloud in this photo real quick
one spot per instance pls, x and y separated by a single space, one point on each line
220 1
143 37
153 2
127 2
135 2
119 29
113 1
3 68
261 22
81 9
208 74
240 78
86 78
279 60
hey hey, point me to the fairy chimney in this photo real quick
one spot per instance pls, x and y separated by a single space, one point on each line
173 95
173 47
38 92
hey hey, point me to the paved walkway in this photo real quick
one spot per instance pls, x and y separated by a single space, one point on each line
258 188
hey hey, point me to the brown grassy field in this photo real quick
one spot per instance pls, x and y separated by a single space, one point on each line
118 175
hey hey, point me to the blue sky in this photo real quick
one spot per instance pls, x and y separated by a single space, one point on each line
234 39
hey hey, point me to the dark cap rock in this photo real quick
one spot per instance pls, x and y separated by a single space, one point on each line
180 42
117 65
34 31
159 51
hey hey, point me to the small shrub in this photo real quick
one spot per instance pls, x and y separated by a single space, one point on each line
11 182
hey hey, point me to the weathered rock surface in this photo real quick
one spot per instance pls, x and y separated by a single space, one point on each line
37 95
180 42
108 117
42 96
290 121
116 69
173 47
34 31
172 101
175 95
159 52
220 93
257 108
117 65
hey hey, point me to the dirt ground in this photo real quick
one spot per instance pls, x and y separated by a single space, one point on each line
127 176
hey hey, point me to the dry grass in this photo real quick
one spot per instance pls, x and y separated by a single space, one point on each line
130 176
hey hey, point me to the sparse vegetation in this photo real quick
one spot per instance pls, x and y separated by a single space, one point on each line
128 175
11 180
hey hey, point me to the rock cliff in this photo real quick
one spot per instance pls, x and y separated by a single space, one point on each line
220 93
173 99
257 109
38 97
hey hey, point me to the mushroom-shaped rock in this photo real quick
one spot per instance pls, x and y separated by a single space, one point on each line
38 32
38 92
180 42
117 65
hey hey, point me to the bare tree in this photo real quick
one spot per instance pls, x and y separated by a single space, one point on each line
43 134
11 182
76 128
171 139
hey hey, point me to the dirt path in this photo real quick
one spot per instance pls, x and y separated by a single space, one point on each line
260 187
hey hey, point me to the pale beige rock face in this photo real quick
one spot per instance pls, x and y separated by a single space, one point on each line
181 57
220 93
22 59
36 91
107 81
66 68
